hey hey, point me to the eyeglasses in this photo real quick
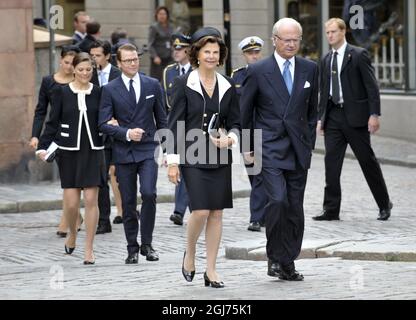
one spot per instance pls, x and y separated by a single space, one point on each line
130 61
288 41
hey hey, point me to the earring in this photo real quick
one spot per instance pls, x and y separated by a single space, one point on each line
198 62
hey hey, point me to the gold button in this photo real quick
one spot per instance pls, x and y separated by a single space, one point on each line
205 115
204 133
205 124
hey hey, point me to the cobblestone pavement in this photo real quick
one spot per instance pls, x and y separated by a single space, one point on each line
33 264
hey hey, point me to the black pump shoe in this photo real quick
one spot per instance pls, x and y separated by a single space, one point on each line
188 275
69 250
214 284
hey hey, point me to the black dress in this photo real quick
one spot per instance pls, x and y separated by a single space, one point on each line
80 156
209 188
84 168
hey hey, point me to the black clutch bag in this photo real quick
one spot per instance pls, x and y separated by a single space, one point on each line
52 152
214 125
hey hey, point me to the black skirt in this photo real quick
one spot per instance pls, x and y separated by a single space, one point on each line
208 189
84 168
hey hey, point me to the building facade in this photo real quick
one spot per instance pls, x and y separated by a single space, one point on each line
386 28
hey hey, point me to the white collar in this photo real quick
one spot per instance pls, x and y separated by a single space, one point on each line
107 69
82 35
281 61
195 84
126 80
76 91
341 50
186 66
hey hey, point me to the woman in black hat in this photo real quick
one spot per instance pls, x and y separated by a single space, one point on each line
205 110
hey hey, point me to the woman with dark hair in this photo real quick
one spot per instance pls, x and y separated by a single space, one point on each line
63 76
198 98
73 126
160 33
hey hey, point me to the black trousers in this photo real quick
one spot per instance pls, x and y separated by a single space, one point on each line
127 179
338 134
284 216
104 202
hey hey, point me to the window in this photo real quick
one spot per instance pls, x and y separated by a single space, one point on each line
382 36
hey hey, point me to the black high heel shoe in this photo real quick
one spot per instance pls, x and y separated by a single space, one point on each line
89 262
69 250
188 275
214 284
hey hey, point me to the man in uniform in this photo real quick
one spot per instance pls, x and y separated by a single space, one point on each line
251 48
180 44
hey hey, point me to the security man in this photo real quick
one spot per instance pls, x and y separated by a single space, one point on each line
251 48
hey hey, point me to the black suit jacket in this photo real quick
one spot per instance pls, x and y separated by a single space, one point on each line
114 73
65 120
148 114
86 43
188 108
45 92
360 90
287 122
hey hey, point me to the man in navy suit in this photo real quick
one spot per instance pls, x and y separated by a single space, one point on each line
282 91
136 102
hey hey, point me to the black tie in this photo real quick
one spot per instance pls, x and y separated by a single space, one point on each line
334 79
183 70
132 93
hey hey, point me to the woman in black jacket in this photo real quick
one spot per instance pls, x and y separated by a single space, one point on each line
199 97
63 76
73 126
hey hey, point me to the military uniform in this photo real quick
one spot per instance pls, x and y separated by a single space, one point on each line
258 198
173 70
170 73
239 75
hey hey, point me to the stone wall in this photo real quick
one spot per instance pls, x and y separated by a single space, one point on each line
17 81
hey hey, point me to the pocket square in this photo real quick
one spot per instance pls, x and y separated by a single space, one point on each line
307 85
151 96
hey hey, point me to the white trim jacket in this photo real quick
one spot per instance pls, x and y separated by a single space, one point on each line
70 109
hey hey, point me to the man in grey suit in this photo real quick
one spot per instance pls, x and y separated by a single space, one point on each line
282 91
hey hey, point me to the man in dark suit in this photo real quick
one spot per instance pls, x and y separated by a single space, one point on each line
81 19
251 49
104 72
180 44
349 109
282 91
136 102
93 33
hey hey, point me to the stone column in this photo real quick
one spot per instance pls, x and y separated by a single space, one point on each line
17 81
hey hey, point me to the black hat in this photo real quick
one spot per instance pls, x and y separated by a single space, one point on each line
205 32
180 41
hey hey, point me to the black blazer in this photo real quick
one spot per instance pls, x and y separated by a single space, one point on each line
64 124
148 114
288 122
45 91
359 87
86 43
114 73
188 106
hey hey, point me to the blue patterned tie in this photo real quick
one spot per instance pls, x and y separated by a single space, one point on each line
103 78
287 76
132 93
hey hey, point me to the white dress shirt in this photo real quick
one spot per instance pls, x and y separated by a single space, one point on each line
280 61
136 86
340 58
104 73
186 67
